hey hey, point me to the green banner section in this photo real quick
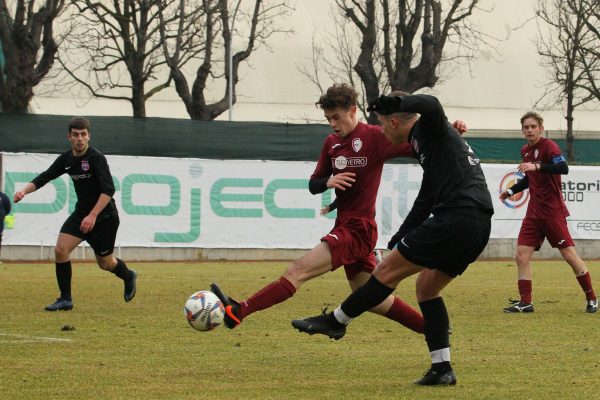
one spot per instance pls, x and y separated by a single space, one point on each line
166 137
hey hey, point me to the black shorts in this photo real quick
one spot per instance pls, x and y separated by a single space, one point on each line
448 241
101 238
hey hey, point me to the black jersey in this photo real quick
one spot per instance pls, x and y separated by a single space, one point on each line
91 177
452 176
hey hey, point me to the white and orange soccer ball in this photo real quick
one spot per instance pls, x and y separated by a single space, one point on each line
204 311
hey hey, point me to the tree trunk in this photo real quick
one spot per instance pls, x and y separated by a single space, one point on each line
18 87
138 100
570 137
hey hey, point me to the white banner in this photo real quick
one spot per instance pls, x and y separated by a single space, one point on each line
166 202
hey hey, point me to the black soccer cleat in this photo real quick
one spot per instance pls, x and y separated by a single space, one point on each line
325 324
432 378
60 304
130 287
232 307
519 307
591 306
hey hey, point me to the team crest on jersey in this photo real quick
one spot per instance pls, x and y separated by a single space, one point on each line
357 144
535 153
85 165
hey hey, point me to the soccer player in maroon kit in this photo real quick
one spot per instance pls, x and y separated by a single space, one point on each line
351 162
546 215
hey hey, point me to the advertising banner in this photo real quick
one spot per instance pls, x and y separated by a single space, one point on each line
173 202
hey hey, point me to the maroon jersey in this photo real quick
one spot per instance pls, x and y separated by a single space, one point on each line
545 189
362 152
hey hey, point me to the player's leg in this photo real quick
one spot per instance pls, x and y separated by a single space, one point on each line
392 307
583 277
378 288
462 237
102 240
429 285
315 263
65 244
559 237
531 237
524 281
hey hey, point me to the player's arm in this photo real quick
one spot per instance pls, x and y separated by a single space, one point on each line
557 166
419 212
327 209
321 179
516 188
54 171
426 105
341 181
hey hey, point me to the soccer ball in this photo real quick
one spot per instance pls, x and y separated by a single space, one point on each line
204 311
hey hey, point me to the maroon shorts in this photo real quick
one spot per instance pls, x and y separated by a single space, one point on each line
351 242
534 230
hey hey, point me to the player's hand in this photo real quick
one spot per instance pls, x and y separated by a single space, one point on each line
394 240
504 195
460 126
18 196
385 105
341 181
528 167
87 224
324 210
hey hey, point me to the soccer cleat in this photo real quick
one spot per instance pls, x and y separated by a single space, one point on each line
325 324
130 287
60 304
432 378
232 307
519 307
591 306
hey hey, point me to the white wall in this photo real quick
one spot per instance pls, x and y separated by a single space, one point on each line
491 93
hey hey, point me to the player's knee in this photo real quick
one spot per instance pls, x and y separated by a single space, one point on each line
104 264
60 252
521 258
425 294
298 273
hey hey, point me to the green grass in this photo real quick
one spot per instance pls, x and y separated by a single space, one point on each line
146 350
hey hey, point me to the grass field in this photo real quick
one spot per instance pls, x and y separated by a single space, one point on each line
146 350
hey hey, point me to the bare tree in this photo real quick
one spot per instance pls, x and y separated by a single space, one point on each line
25 31
590 50
563 36
219 27
116 49
397 45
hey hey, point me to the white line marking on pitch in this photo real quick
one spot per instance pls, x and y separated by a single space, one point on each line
27 338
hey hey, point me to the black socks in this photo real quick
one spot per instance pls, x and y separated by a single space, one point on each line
63 277
121 270
366 297
436 323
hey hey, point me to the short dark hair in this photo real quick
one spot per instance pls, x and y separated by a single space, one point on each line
338 95
534 115
79 123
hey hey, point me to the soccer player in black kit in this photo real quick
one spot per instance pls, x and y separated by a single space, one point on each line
446 229
95 218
